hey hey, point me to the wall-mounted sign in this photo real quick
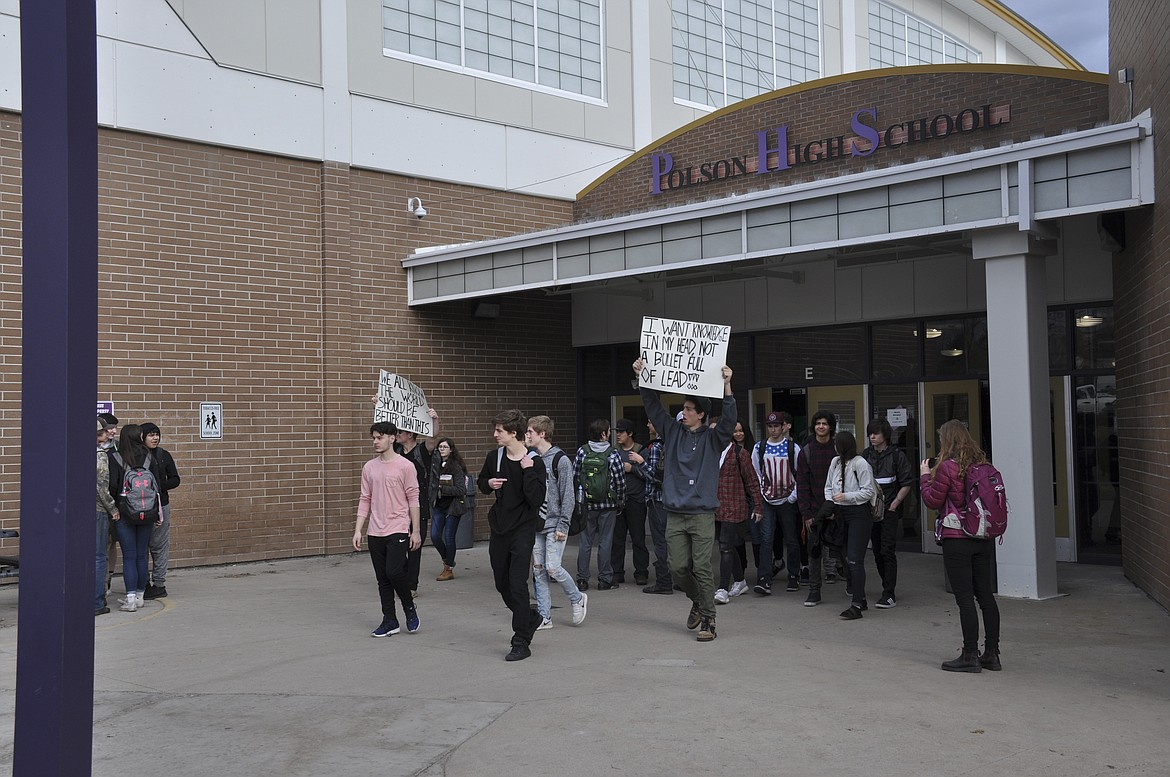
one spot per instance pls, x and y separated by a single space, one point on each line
105 407
898 417
211 421
776 149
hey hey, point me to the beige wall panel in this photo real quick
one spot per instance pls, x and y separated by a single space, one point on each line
294 39
444 90
847 292
723 303
940 285
233 31
617 25
800 304
887 290
504 103
685 303
558 115
614 122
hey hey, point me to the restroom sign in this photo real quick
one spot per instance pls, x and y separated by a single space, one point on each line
211 421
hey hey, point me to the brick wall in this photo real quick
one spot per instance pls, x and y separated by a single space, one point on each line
1139 37
1044 102
275 286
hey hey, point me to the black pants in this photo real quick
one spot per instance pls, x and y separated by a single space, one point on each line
788 532
511 558
858 527
632 521
968 565
732 538
414 563
884 538
389 557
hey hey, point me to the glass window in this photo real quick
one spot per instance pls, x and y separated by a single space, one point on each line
1093 344
821 356
956 347
1058 342
554 43
729 50
897 38
896 352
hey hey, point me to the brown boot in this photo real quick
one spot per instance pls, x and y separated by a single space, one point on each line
446 574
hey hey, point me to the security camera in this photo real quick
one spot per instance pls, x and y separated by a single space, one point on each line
414 205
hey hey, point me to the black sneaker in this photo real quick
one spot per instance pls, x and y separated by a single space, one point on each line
657 589
641 579
804 575
603 586
852 614
831 577
155 592
886 602
814 598
519 653
101 611
694 618
582 585
793 584
763 589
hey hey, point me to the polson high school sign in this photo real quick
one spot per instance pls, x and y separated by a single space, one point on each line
866 139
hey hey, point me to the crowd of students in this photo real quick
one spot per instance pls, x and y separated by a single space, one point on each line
701 480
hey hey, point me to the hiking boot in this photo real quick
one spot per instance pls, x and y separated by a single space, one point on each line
814 598
387 628
763 589
722 597
886 602
989 659
694 618
545 623
518 653
968 661
580 609
737 588
446 574
793 584
852 614
706 630
412 621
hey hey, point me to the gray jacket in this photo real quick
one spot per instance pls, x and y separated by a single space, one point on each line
560 496
690 479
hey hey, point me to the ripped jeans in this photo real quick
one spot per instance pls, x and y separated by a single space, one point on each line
546 564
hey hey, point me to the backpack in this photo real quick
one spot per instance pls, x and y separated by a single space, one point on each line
138 501
595 475
986 513
469 497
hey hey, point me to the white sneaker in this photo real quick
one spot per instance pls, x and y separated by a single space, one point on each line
579 609
722 597
545 624
738 587
130 603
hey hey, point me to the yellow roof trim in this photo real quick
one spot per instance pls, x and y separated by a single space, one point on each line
1025 26
862 75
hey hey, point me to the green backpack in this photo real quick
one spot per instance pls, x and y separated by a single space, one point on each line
595 476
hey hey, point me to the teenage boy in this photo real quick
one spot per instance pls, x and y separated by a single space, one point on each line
601 491
656 513
775 462
517 477
893 475
557 511
632 519
167 477
690 486
811 472
420 454
389 499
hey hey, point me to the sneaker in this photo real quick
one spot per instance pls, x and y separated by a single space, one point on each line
738 587
763 589
155 592
852 614
641 579
814 598
804 575
793 584
545 623
706 630
412 621
386 629
518 653
886 602
657 589
722 597
101 611
580 609
694 618
607 586
619 577
582 584
831 578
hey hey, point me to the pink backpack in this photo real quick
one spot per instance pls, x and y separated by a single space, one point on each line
986 513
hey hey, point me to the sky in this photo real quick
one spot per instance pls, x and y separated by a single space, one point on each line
1080 27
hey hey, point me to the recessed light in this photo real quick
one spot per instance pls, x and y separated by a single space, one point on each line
952 352
932 333
1085 322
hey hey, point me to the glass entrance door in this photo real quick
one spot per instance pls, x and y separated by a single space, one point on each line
941 402
845 402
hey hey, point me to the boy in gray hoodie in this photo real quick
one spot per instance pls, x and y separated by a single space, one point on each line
557 511
690 484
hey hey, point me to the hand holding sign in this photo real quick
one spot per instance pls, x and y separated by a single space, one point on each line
403 404
683 356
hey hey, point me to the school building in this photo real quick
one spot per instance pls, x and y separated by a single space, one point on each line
917 210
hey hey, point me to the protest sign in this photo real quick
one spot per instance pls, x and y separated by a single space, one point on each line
683 356
403 404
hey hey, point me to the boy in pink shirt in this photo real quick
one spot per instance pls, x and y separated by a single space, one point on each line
389 500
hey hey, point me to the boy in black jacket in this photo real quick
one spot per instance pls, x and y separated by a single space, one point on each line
160 538
517 477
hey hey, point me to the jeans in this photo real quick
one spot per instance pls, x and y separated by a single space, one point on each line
789 525
968 565
598 532
731 540
509 555
443 529
690 540
160 549
858 524
135 541
103 536
767 532
546 563
390 556
656 517
884 538
630 521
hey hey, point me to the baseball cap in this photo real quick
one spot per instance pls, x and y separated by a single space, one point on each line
773 418
624 425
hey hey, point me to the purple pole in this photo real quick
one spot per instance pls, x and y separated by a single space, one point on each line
54 670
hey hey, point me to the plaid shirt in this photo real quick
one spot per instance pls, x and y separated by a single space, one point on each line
617 481
651 468
737 482
811 473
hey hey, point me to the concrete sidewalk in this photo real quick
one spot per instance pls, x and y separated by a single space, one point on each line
268 669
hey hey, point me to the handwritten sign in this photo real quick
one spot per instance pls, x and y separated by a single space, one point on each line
403 404
683 356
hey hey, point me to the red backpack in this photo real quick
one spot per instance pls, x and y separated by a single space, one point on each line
986 513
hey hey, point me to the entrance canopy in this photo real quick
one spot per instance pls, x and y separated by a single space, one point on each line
1091 171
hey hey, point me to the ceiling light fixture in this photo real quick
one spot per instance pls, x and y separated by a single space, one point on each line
952 352
1086 321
